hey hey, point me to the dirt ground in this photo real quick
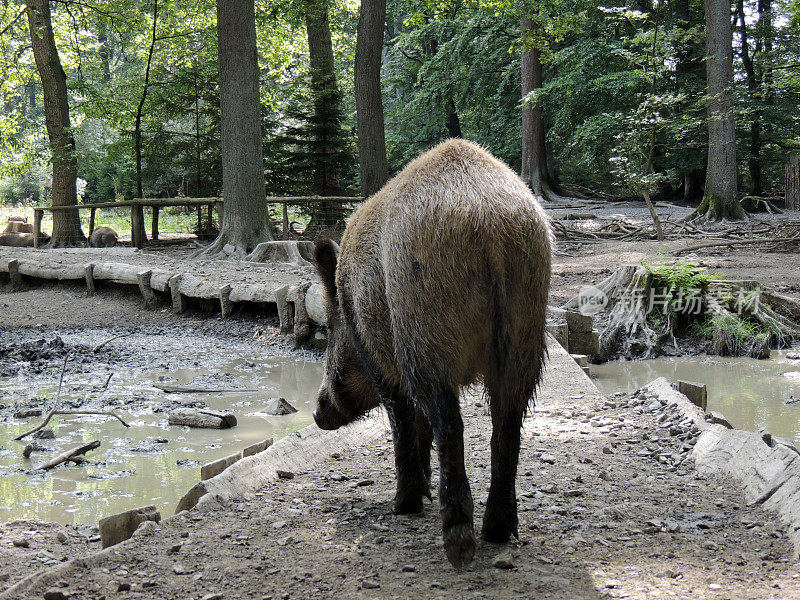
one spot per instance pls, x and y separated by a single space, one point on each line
601 514
609 508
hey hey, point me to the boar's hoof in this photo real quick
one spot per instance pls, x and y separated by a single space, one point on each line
499 523
459 544
409 501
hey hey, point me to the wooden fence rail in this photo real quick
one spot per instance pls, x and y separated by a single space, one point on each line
138 235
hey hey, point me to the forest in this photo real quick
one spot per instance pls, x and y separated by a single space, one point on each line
635 99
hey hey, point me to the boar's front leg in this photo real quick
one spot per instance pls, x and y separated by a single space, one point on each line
413 473
455 498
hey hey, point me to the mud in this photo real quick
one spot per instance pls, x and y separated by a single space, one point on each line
151 462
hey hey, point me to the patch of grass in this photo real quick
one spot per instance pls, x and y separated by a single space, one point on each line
733 335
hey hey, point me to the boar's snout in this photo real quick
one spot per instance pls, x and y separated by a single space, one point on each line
326 415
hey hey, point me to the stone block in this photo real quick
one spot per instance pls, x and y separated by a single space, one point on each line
697 393
577 322
212 469
256 448
584 342
581 359
118 528
560 332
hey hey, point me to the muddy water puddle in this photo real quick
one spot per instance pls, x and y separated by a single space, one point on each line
750 393
151 462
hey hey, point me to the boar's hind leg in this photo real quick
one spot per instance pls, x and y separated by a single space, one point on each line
413 474
507 409
455 498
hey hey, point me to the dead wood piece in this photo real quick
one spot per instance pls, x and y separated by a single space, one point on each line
55 404
189 389
92 412
693 247
202 418
69 455
116 337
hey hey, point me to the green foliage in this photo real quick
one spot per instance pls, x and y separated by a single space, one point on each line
681 274
732 334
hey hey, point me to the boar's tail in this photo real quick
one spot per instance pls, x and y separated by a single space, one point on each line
518 343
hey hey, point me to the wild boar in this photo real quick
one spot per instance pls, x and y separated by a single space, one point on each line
441 280
103 237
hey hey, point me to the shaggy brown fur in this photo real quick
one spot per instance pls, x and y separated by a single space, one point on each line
103 237
442 280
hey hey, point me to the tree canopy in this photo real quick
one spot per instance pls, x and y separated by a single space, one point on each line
623 93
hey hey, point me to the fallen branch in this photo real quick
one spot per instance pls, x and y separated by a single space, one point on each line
105 385
116 337
680 251
92 412
55 404
188 389
69 455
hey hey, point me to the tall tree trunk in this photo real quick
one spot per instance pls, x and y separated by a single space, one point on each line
325 179
66 223
534 153
720 197
245 221
137 129
689 67
369 102
754 157
453 122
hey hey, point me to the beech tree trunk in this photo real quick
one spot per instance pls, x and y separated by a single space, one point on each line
369 101
720 197
245 220
66 223
689 69
534 170
325 100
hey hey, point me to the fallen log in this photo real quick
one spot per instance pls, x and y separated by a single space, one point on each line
69 455
202 418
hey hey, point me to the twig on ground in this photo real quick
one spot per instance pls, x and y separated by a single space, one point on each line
55 404
116 337
107 413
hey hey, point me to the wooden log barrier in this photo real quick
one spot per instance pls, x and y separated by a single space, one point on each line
143 279
92 215
285 313
225 304
88 275
13 274
178 300
154 223
302 322
37 226
138 237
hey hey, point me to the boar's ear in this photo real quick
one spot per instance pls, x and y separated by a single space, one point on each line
326 255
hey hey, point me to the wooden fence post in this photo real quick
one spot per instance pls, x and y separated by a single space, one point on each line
92 212
154 223
37 226
137 225
285 221
793 183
